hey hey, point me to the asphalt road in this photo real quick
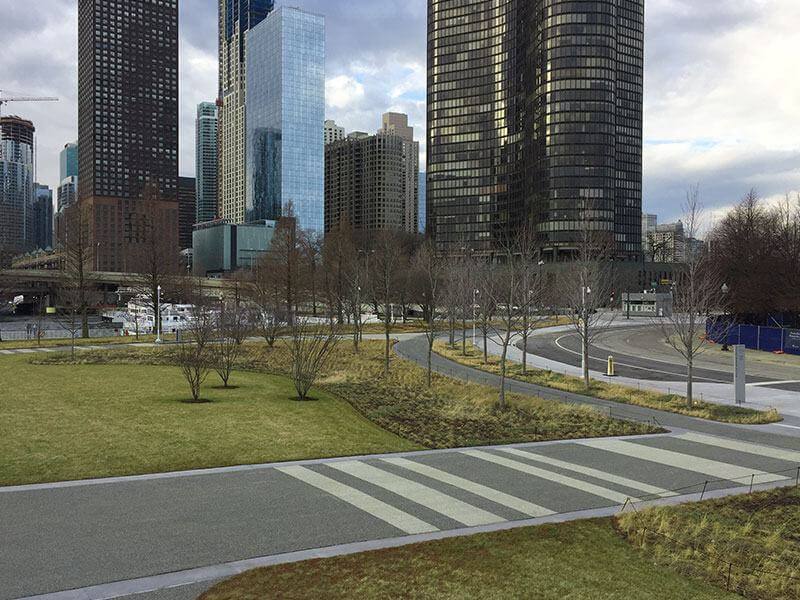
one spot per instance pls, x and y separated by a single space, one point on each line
172 535
565 347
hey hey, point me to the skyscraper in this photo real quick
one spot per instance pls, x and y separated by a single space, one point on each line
206 161
187 203
42 217
236 18
285 118
68 161
16 185
372 181
333 133
67 192
128 123
535 118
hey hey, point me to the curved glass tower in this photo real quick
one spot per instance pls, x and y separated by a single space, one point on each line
535 116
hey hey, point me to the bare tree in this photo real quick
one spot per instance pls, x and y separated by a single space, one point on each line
486 307
266 299
696 294
232 329
389 258
151 252
430 270
586 285
310 351
194 354
285 257
75 286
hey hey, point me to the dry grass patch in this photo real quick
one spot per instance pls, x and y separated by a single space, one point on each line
606 391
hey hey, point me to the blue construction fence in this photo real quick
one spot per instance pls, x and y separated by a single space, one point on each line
755 337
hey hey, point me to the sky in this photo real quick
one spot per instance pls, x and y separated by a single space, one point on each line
722 96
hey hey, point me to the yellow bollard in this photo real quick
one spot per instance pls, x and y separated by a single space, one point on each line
611 372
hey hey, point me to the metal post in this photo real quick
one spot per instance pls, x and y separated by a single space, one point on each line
158 315
702 495
752 481
740 374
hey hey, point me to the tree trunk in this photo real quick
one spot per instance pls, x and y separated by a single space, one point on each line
585 356
85 323
387 331
502 399
464 337
452 332
690 382
430 361
485 342
525 350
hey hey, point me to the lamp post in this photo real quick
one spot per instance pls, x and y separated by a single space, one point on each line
158 315
725 290
475 316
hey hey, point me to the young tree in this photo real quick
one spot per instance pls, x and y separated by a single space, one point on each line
311 254
485 294
586 286
194 354
698 292
430 271
310 350
389 259
285 257
76 285
232 329
266 299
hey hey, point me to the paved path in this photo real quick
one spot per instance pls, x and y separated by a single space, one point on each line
170 536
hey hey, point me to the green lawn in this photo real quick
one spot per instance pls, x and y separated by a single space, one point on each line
584 560
62 422
607 391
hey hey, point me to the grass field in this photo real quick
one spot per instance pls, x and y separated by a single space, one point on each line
51 343
605 391
450 414
750 543
63 422
585 560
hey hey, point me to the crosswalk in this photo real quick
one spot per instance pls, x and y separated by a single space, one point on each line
428 492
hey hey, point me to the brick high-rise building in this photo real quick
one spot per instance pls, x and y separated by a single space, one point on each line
372 181
187 211
535 119
128 125
236 18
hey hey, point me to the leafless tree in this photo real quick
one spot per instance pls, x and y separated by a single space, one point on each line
389 258
285 258
232 329
310 350
151 253
586 286
337 255
696 294
430 270
194 354
311 254
486 307
266 300
76 287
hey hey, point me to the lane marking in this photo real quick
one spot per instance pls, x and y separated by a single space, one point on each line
597 474
648 369
687 462
385 512
455 509
769 383
791 456
786 426
584 486
496 496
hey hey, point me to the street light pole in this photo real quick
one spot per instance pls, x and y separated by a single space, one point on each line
158 315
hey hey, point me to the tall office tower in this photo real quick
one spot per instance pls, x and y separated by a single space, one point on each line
372 182
42 217
535 119
68 161
128 125
16 186
397 124
187 211
649 225
423 202
333 133
285 118
236 18
206 162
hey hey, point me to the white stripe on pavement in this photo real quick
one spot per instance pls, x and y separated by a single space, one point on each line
746 447
584 486
385 512
687 462
448 506
6 352
597 474
496 496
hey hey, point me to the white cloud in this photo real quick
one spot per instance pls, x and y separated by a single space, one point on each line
343 91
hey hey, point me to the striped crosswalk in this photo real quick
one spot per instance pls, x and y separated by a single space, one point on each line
485 487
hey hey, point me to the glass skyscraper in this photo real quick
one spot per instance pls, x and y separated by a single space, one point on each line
206 161
285 115
16 185
535 119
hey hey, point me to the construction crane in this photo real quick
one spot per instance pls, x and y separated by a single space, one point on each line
7 96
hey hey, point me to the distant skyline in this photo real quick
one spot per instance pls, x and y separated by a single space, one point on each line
720 108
